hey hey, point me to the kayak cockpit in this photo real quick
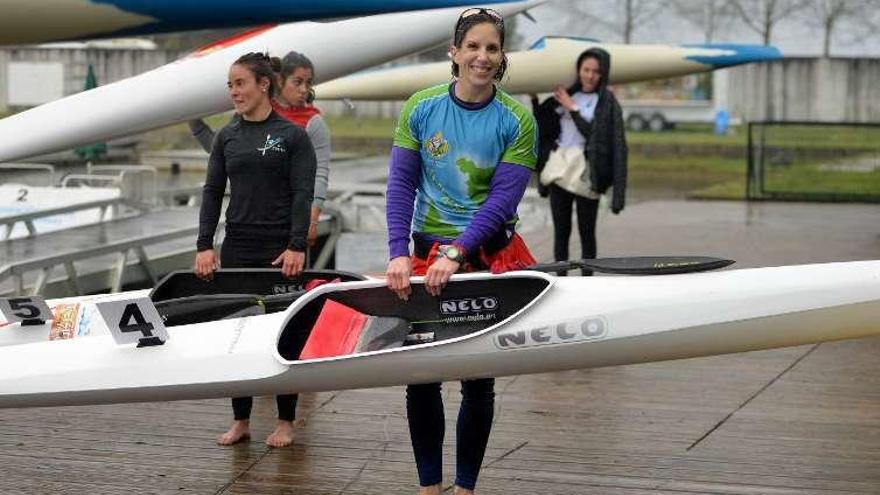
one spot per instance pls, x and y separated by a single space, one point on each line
182 298
362 317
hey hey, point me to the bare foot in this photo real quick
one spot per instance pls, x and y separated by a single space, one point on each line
238 432
430 490
461 491
282 436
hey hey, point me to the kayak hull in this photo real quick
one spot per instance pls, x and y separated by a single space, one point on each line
550 64
571 323
194 86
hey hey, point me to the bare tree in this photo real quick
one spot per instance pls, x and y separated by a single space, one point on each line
828 14
761 16
618 18
706 15
636 13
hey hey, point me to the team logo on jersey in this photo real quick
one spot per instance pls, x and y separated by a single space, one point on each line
272 145
436 145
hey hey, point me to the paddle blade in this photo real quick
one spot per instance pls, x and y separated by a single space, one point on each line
198 309
656 265
639 265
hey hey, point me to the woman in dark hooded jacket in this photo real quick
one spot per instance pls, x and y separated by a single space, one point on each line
582 151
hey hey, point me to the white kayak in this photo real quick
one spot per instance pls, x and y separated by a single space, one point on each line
358 334
195 86
549 63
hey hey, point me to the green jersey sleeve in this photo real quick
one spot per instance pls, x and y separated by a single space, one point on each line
523 149
405 134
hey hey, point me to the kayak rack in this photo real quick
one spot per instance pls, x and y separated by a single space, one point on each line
136 185
32 167
103 205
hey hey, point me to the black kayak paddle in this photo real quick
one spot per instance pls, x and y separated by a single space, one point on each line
638 265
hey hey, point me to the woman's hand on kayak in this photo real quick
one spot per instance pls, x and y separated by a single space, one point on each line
291 262
206 263
438 274
397 274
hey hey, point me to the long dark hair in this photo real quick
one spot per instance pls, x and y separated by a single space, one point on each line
260 65
465 24
576 85
295 60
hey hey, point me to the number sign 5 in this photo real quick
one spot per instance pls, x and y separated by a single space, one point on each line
27 310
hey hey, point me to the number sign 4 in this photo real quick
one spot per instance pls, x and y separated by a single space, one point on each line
133 321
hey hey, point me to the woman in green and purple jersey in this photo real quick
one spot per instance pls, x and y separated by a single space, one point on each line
462 157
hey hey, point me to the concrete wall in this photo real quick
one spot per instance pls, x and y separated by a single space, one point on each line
814 89
109 65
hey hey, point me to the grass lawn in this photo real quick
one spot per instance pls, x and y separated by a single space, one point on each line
350 127
698 174
834 137
823 178
817 136
689 134
686 175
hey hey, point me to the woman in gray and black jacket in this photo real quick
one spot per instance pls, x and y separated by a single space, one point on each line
582 151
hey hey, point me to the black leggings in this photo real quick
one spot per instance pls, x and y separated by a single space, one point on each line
560 208
427 425
241 251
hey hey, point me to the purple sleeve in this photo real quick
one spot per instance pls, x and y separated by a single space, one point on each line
403 179
505 192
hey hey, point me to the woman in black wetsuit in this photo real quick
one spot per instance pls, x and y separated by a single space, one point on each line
270 165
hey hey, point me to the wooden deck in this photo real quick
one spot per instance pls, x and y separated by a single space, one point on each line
802 420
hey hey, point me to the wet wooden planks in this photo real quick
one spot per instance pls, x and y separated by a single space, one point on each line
813 429
802 420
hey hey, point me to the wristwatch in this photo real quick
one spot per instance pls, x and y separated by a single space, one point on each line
452 252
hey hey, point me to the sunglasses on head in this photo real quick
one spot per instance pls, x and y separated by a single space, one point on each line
496 17
480 10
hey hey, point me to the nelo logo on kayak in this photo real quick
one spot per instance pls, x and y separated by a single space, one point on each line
468 305
286 288
566 332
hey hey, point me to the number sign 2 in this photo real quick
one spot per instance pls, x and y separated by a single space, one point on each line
133 321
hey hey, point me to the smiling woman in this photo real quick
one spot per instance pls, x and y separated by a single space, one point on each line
463 154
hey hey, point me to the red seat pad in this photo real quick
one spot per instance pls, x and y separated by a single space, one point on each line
317 282
336 332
